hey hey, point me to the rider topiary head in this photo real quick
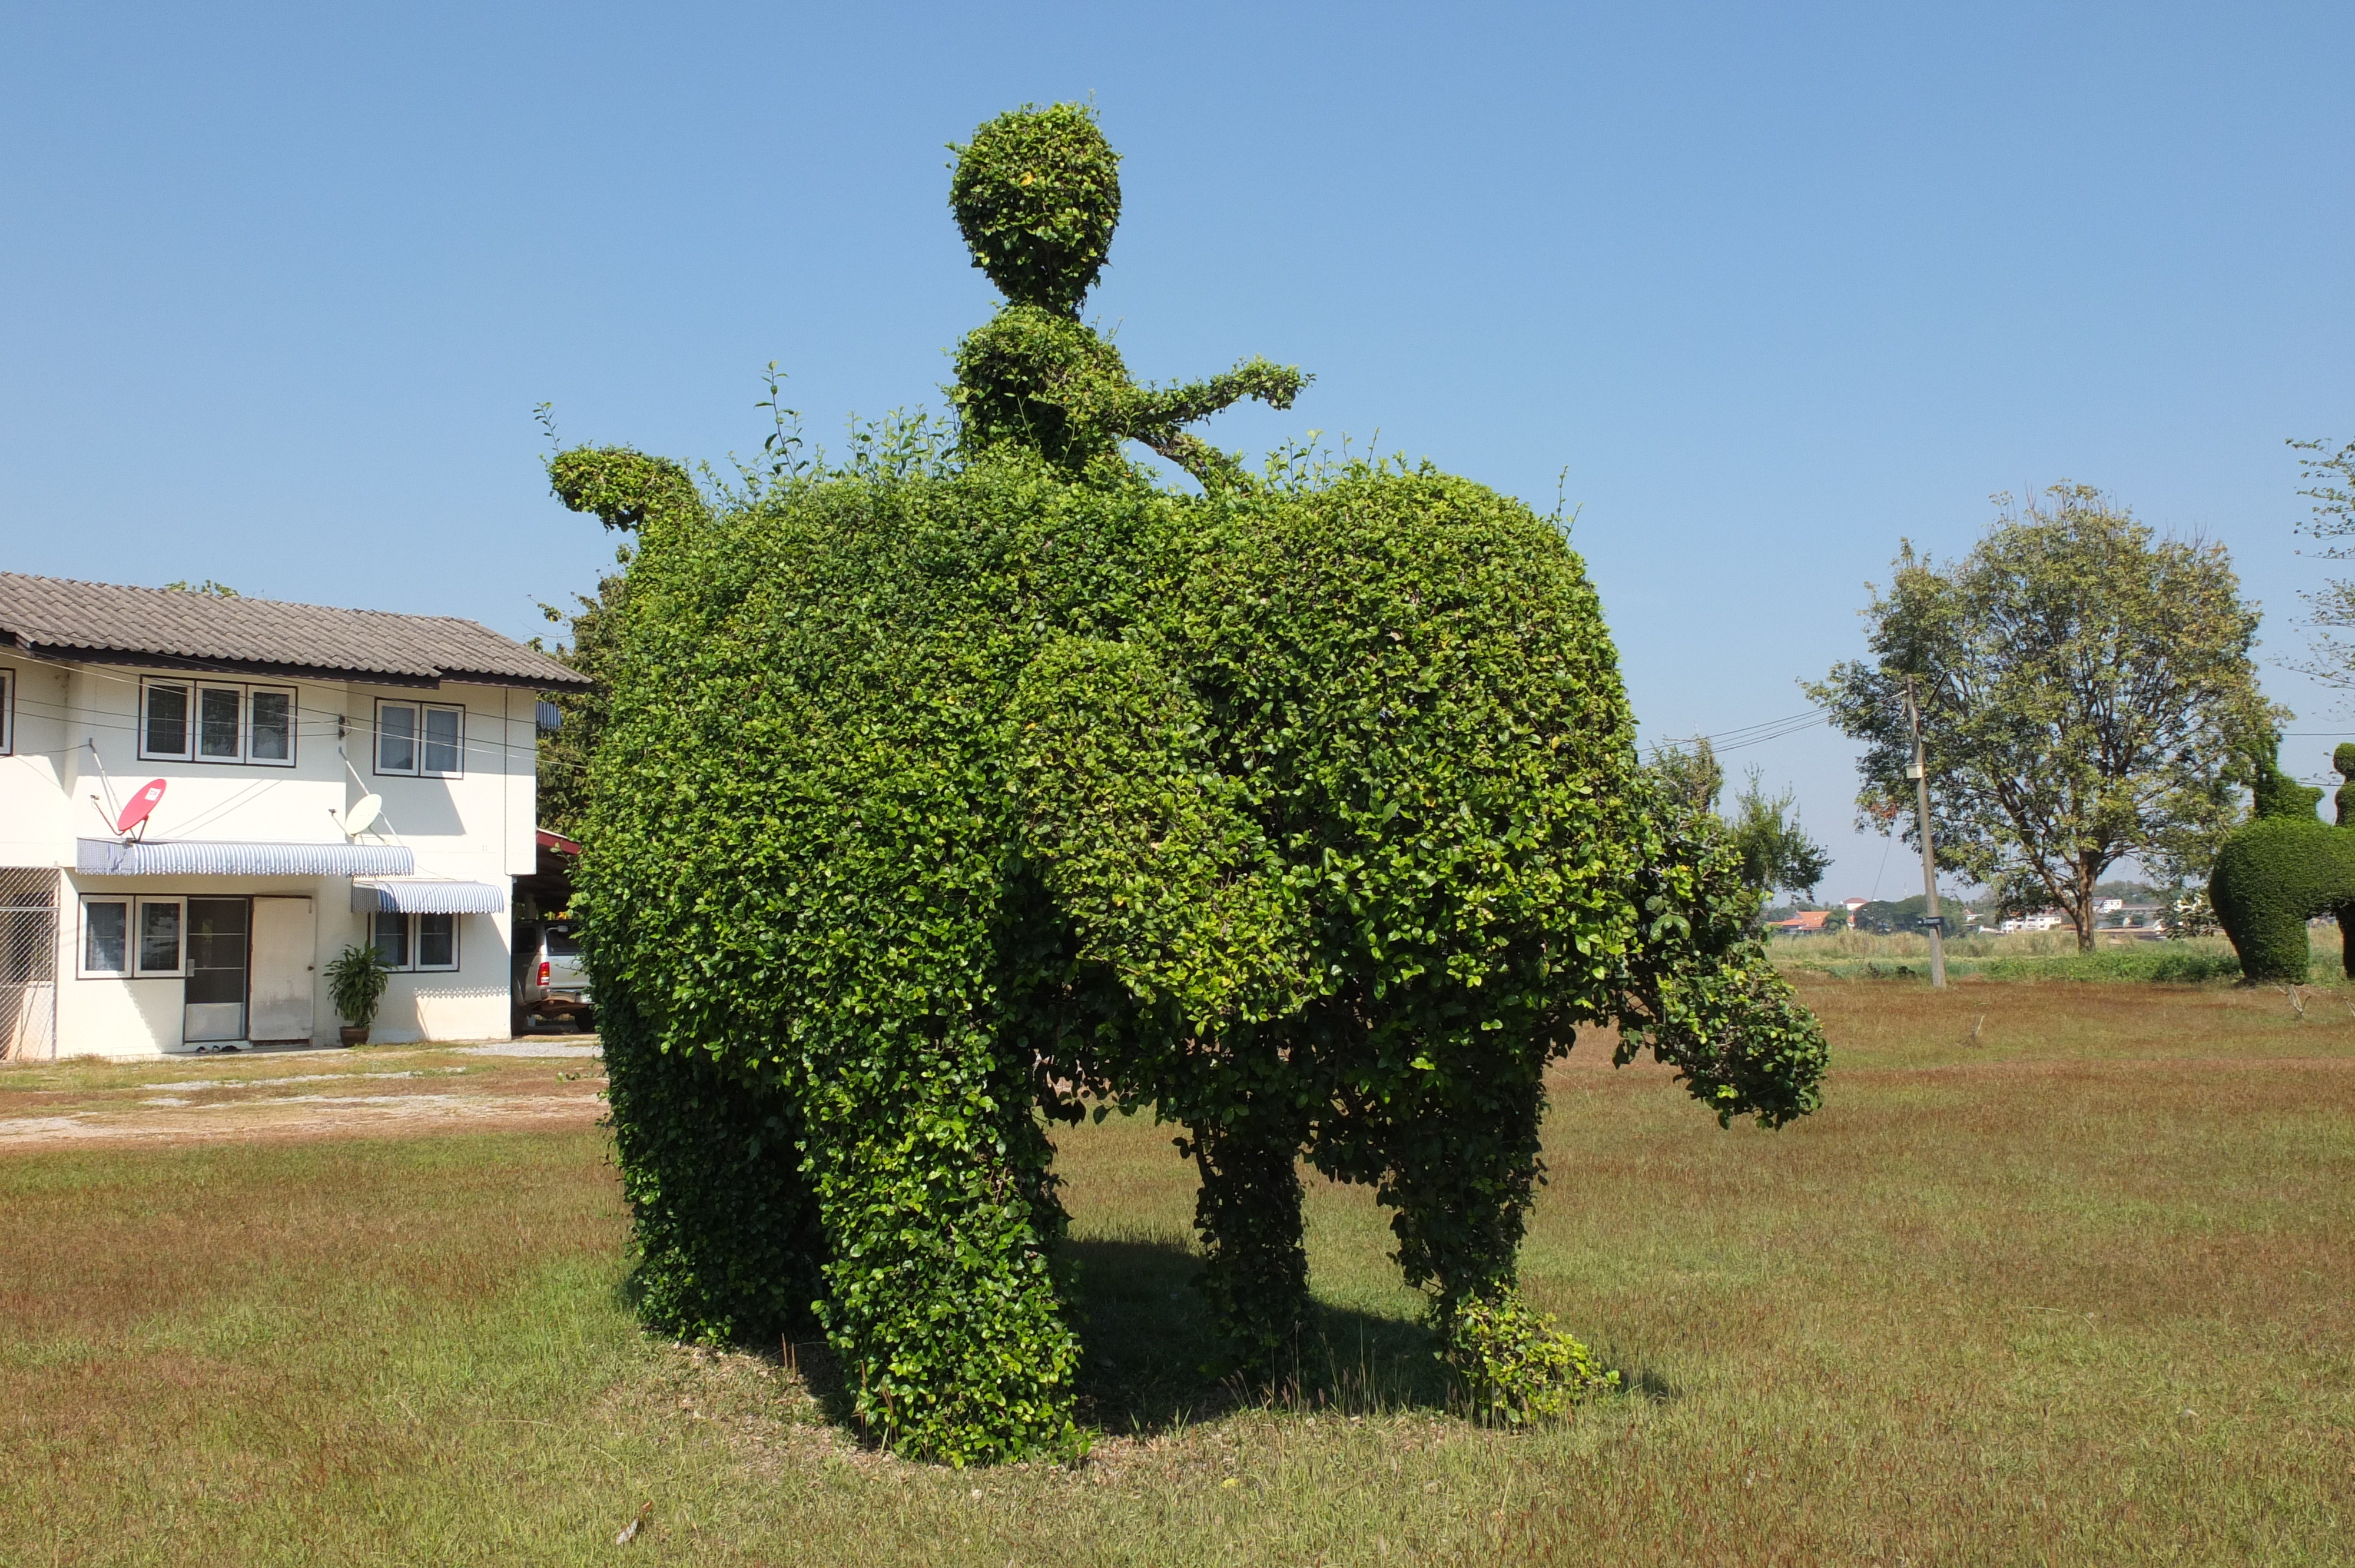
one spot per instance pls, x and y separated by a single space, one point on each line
1037 194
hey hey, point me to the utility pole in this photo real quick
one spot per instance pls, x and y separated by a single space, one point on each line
1936 923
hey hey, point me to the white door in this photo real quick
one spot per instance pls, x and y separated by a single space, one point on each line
285 956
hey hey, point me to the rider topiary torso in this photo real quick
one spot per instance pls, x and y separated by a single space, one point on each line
1303 811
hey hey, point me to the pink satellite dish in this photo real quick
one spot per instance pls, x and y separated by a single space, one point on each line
140 804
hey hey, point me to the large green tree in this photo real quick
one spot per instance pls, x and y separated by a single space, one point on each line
2087 694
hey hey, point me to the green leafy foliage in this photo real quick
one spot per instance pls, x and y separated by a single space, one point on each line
1037 196
1775 850
940 790
2279 870
1518 1365
356 980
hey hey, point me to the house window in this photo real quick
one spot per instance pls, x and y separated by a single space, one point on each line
270 732
212 721
392 938
105 936
427 740
437 941
126 938
220 723
415 942
7 713
163 729
159 936
441 739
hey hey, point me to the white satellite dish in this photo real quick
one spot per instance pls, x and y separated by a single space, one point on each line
362 815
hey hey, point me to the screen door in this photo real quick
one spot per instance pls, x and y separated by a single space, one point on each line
218 944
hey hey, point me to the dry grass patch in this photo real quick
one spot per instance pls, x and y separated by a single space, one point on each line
2076 1290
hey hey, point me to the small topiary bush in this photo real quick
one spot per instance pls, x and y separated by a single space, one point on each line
1517 1366
945 788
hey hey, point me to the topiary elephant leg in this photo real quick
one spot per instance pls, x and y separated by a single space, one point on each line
932 1176
1460 1190
2345 915
728 1234
1255 1268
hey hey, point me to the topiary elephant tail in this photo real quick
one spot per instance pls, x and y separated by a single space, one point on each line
626 489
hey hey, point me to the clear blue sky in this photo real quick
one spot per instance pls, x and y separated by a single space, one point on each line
1775 285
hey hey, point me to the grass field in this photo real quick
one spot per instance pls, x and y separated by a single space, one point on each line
2061 1274
2034 956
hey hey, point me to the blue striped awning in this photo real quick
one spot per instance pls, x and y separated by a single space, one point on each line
425 895
197 857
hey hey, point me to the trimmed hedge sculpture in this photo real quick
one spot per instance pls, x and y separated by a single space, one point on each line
949 790
2283 867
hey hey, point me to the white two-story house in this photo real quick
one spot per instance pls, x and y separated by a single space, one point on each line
203 800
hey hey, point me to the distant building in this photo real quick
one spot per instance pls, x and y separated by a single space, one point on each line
2042 920
1804 923
1853 905
199 810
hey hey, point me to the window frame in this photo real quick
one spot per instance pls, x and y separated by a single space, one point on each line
7 710
418 709
179 970
148 686
82 969
194 688
294 722
417 944
197 724
408 964
135 906
412 942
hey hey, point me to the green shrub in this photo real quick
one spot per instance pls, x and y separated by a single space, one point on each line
2279 870
1517 1366
356 980
939 791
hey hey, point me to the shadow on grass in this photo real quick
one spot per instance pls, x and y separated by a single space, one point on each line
1149 1355
1150 1360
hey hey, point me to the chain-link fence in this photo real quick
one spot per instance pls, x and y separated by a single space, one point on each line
28 964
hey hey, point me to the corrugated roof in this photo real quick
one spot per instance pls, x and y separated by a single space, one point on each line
65 618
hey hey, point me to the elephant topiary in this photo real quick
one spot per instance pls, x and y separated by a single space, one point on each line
2281 868
948 790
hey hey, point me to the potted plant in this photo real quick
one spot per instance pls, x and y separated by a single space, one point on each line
356 980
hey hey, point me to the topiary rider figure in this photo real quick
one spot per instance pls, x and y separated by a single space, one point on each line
1037 196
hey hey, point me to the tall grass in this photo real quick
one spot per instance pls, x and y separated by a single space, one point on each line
2030 955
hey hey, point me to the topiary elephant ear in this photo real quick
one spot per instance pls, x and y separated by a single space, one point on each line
1165 877
2342 762
1037 196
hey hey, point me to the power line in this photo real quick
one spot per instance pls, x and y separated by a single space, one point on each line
1757 734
